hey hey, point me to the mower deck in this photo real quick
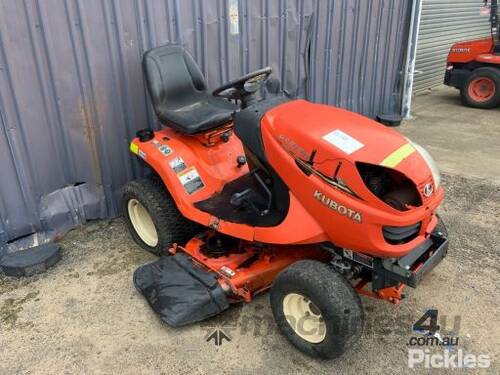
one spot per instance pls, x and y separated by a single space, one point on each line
249 268
200 279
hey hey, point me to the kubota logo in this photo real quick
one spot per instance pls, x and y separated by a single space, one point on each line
460 50
428 190
343 210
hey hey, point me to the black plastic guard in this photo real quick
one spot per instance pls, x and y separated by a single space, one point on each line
456 77
389 272
180 292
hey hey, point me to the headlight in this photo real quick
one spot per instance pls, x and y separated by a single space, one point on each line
430 163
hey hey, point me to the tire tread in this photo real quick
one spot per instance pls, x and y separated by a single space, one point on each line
332 293
171 226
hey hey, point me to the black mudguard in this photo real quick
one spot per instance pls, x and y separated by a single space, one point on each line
179 291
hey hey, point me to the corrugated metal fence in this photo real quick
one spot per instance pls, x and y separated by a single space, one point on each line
72 92
444 22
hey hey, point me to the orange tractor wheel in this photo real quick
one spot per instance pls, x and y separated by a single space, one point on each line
482 89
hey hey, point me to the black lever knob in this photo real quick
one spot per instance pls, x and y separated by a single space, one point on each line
241 161
225 137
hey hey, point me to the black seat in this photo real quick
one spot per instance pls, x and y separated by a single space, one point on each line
179 92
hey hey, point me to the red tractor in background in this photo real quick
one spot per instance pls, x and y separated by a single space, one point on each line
473 67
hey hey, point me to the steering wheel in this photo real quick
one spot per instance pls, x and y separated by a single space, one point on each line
244 86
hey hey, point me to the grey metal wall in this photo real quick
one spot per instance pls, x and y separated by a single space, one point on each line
444 22
72 93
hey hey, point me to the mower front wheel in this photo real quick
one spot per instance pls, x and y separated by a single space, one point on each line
152 217
317 309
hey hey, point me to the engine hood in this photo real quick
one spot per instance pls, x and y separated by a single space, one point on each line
464 52
302 127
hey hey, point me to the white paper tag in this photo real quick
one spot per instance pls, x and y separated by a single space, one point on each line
343 141
234 18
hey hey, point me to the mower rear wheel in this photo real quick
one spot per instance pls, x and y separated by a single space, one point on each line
317 309
152 217
482 88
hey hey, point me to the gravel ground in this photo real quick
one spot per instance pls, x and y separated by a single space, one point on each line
85 316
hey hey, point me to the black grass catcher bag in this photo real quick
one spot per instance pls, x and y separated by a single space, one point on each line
179 291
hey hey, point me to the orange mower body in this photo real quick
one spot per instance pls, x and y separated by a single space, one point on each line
249 192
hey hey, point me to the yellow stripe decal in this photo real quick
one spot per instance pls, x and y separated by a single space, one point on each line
134 148
398 156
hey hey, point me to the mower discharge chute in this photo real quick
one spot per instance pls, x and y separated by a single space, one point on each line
316 203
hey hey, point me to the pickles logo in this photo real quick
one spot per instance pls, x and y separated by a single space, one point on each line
342 210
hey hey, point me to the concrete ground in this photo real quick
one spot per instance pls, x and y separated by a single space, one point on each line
84 315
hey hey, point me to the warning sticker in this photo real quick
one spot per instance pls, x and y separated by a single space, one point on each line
191 180
165 150
343 141
177 164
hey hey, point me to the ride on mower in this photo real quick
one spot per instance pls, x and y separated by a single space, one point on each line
473 67
251 192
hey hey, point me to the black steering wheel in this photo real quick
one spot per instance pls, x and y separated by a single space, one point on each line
244 86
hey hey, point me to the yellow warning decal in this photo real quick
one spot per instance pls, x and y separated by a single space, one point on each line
398 156
134 148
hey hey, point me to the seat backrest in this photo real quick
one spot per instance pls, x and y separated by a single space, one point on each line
172 76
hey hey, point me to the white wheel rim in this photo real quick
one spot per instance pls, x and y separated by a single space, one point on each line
142 222
304 318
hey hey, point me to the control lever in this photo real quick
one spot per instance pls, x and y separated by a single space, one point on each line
245 196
